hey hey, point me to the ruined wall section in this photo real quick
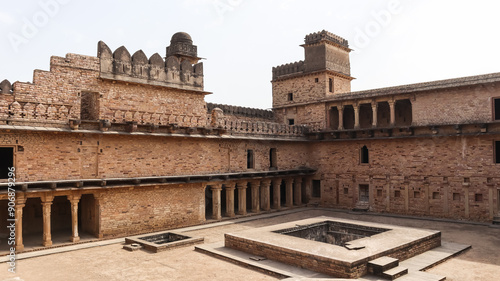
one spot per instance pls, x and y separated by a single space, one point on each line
450 177
54 96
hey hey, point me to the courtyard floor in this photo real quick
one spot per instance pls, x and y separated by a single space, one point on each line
111 262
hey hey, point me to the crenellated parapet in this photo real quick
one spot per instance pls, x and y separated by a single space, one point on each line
327 36
180 69
242 111
289 68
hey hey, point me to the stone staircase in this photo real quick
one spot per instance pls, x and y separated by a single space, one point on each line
387 268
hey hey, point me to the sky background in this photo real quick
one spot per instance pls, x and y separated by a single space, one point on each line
394 42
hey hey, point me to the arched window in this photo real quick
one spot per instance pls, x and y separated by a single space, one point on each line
364 155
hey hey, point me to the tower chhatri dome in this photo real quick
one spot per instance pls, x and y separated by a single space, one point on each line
181 46
181 37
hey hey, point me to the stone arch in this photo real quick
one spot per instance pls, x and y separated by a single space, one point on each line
63 113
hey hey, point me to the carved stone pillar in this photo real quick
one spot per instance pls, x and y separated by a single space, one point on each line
374 112
276 193
265 203
216 206
341 117
74 199
356 116
242 197
46 207
289 192
393 112
254 185
19 224
230 199
298 191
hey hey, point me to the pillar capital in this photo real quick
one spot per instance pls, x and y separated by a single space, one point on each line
231 184
298 179
47 199
266 182
216 186
255 183
241 184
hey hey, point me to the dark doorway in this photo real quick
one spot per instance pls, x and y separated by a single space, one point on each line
403 112
88 221
365 115
273 161
249 197
364 155
283 193
223 201
348 117
334 118
208 202
316 188
496 106
364 194
6 161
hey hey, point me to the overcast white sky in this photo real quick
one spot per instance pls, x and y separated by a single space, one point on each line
394 42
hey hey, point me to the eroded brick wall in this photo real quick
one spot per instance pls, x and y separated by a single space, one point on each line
146 209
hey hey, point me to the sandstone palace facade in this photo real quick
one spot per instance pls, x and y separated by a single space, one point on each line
122 144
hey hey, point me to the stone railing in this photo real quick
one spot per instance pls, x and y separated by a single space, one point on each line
158 118
27 111
261 128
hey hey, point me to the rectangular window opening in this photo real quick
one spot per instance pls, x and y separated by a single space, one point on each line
89 107
497 152
330 85
290 96
456 196
291 122
397 193
316 188
416 194
379 192
435 195
496 106
6 161
346 190
250 159
316 80
273 161
478 197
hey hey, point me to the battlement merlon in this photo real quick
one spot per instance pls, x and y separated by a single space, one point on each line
180 69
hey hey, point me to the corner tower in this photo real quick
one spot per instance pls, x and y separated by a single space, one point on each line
325 71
